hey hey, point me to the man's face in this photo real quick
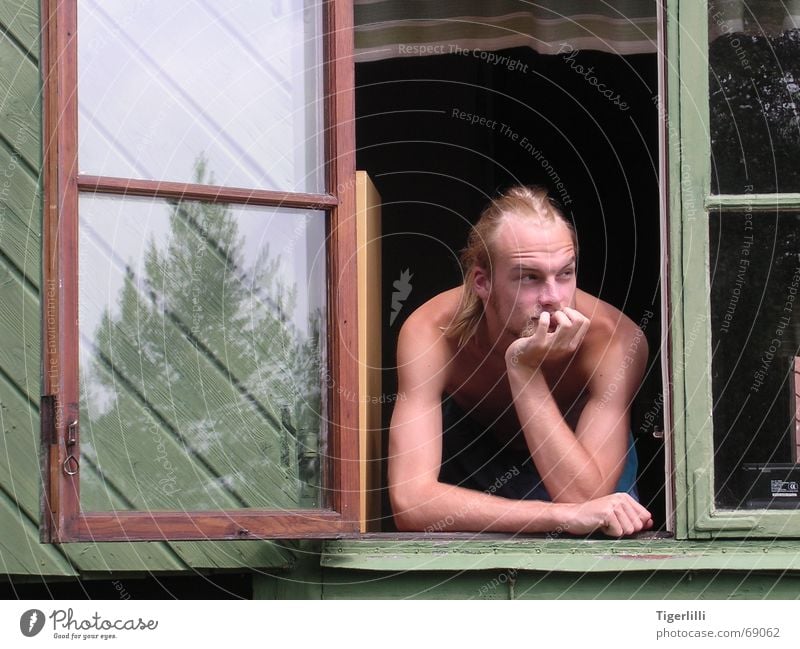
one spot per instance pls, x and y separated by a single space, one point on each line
534 271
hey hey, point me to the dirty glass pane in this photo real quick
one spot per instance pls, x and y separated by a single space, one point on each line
755 332
754 88
201 355
239 82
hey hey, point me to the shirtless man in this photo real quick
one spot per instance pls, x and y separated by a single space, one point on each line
531 380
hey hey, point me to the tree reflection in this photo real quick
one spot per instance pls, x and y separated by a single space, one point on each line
202 392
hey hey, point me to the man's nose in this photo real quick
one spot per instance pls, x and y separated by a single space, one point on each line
548 295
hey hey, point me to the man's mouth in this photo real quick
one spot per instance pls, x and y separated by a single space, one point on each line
533 324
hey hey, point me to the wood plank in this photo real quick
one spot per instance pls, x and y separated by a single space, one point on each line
370 362
226 555
566 554
20 217
19 477
248 525
21 19
20 550
19 330
19 460
21 245
20 103
510 583
209 193
343 277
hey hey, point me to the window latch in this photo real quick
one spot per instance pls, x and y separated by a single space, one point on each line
71 465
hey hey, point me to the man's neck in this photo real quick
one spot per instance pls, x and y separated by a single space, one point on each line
490 346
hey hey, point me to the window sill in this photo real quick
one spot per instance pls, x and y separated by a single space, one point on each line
647 552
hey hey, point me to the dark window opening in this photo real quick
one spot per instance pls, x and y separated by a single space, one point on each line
441 135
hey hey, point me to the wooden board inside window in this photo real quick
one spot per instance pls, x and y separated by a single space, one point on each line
368 212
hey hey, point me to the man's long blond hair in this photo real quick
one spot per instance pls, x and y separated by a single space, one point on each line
522 202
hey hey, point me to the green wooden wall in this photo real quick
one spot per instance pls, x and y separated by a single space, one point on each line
21 554
22 557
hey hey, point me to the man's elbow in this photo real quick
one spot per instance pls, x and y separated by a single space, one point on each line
409 510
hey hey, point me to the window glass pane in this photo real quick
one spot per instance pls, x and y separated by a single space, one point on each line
238 82
201 355
755 327
754 87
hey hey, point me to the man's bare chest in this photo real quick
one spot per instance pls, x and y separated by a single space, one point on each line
480 387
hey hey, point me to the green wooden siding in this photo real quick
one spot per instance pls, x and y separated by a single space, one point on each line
546 585
21 554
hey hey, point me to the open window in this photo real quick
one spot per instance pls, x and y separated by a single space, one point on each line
199 383
451 111
200 308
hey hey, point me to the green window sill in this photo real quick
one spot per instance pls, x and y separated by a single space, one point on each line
459 552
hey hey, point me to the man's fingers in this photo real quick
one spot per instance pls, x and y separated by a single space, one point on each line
574 314
625 516
561 319
544 325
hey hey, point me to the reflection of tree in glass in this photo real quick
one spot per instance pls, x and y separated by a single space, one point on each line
754 87
202 382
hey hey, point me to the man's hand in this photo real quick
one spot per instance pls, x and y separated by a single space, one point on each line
614 515
530 350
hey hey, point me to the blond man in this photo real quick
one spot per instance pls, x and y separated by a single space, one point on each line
516 390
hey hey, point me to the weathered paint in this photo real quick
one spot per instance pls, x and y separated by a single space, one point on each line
560 554
657 569
545 585
21 553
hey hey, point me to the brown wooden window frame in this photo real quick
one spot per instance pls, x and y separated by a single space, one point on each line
62 518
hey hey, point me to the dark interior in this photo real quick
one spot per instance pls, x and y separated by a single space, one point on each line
584 119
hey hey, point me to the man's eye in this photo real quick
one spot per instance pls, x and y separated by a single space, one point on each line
567 273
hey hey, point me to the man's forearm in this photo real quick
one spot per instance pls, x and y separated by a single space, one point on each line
568 471
443 507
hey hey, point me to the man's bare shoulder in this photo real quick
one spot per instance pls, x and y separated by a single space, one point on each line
437 313
610 328
422 341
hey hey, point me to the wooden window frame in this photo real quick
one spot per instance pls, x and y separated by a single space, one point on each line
698 517
62 518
